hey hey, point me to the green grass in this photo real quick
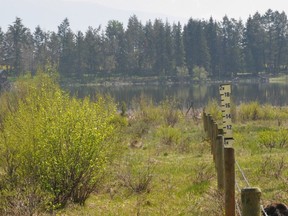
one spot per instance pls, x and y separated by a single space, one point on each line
167 167
182 171
184 177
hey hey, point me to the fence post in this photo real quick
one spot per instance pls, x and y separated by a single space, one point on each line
220 162
205 121
250 199
229 183
209 130
210 120
208 125
220 131
214 138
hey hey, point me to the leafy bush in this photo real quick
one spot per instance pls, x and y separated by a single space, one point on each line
136 174
55 143
199 73
144 109
273 167
268 139
169 135
254 111
170 113
214 110
273 139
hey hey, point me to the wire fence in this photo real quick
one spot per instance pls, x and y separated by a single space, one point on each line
247 184
242 181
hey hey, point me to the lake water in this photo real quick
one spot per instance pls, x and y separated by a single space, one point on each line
198 94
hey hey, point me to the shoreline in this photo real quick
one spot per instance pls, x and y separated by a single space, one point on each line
156 81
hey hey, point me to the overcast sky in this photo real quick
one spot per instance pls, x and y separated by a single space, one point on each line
48 14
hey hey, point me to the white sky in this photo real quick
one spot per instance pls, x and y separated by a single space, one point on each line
201 8
83 13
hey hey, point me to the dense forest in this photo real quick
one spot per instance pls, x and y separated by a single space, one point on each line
156 48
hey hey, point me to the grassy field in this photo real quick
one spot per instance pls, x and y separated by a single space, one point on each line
148 160
167 169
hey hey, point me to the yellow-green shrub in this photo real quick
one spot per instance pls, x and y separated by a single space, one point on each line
169 135
254 111
214 110
170 112
56 143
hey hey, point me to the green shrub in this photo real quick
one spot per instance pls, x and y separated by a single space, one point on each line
214 110
254 111
146 111
169 135
273 139
136 174
273 167
268 139
199 73
170 112
138 128
123 109
249 111
56 143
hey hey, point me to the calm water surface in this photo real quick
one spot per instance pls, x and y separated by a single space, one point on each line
272 93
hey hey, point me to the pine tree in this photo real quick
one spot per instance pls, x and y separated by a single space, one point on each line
40 55
67 48
213 43
134 36
178 48
16 41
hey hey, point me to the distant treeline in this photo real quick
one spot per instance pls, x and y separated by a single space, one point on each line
222 48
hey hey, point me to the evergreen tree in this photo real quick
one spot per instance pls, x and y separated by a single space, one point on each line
134 39
203 58
196 48
214 46
115 47
67 48
232 32
270 46
280 26
92 50
275 49
178 46
2 54
253 40
169 62
220 48
149 53
54 49
160 47
190 44
16 41
40 55
80 54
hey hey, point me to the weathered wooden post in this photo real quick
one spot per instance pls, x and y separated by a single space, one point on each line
214 138
250 199
229 182
209 129
220 131
210 123
204 120
220 161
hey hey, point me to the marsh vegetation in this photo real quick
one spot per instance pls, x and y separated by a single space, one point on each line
71 156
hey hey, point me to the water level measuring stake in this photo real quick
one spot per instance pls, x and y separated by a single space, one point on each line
225 94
